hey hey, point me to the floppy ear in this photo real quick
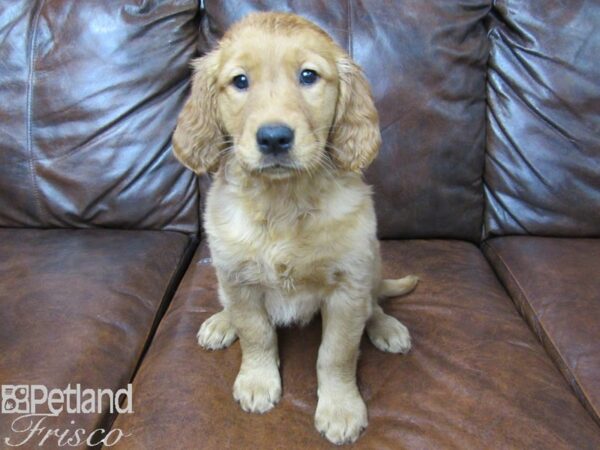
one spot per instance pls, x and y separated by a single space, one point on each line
198 137
355 136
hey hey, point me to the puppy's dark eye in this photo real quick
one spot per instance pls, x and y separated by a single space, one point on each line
308 76
240 82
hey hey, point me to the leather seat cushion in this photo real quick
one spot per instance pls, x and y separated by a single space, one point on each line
555 284
476 373
77 307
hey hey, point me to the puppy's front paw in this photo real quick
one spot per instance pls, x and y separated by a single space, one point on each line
341 418
216 332
257 390
388 334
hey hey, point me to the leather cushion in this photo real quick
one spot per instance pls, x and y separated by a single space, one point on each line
77 306
89 95
426 64
475 376
541 171
555 285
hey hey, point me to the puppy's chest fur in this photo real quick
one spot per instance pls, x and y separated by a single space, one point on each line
292 273
297 246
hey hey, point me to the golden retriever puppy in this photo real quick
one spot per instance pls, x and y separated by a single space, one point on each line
286 121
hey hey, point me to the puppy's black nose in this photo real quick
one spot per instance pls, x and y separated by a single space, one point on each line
274 139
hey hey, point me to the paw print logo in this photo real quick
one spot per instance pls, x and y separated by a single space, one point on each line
15 399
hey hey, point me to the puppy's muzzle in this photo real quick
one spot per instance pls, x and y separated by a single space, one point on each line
275 140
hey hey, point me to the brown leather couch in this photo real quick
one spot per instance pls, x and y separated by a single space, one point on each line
487 187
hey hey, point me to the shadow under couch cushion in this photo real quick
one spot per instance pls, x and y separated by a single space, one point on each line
77 306
476 376
555 284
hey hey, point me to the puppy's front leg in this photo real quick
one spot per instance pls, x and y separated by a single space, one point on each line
341 412
258 385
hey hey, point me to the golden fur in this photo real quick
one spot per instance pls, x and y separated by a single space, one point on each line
289 241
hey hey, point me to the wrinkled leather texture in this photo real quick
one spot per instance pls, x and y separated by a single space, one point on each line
475 378
556 287
77 306
89 96
426 65
542 172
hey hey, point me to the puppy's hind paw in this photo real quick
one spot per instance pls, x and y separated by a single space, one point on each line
216 332
388 334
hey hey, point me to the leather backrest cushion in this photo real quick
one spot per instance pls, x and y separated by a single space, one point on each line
89 95
543 159
426 64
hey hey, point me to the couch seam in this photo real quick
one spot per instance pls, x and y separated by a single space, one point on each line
29 108
546 336
349 41
484 231
169 290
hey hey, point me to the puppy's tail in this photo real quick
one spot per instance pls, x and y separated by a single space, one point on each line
394 288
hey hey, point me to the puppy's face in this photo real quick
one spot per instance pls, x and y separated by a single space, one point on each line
276 98
281 99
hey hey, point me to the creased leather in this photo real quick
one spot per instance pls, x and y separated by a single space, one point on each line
77 306
89 96
426 64
555 285
476 376
542 173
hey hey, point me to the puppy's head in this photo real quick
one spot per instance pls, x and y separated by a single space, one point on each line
280 98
